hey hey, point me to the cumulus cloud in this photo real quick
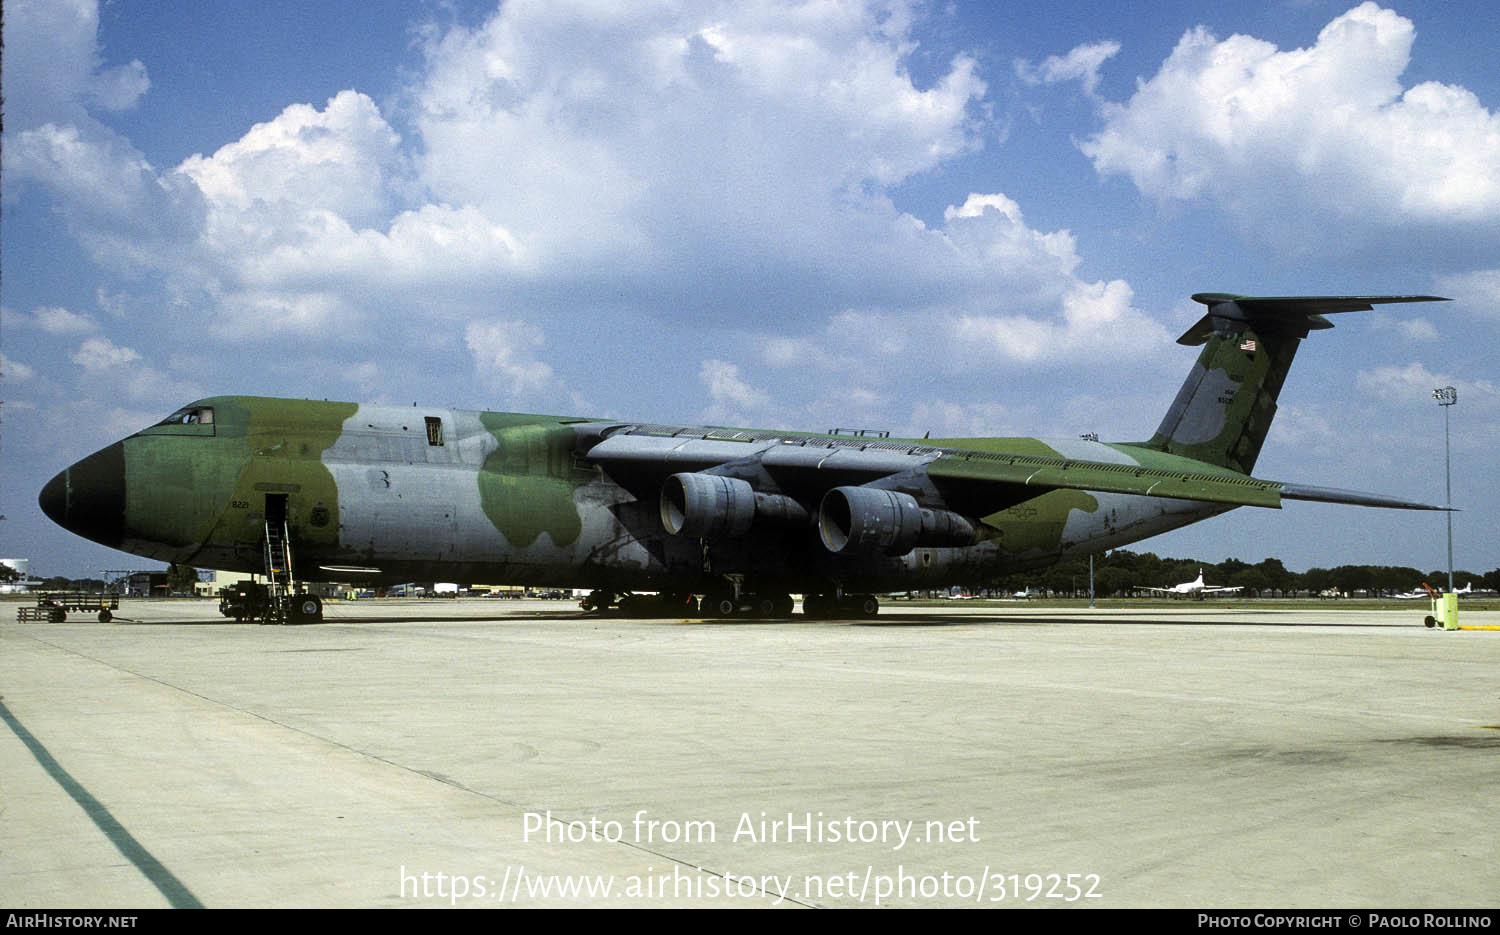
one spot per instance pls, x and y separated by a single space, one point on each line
1270 133
1021 303
504 353
1417 329
679 164
306 163
1477 292
112 372
1097 320
99 179
681 157
53 66
364 375
98 354
659 139
55 80
945 419
731 398
250 311
1081 64
14 370
58 320
1414 381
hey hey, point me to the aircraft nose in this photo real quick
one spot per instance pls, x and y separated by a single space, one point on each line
54 499
89 497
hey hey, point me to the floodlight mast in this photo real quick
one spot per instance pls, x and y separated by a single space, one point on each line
1447 397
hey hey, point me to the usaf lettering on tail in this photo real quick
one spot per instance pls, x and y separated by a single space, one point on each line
743 518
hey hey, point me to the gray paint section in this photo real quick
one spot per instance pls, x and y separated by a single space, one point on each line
1200 417
1079 449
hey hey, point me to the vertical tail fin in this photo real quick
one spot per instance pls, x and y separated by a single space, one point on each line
1224 409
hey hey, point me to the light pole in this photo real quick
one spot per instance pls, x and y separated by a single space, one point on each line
1447 396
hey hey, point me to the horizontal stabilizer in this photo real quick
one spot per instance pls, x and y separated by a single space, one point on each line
1352 498
1299 313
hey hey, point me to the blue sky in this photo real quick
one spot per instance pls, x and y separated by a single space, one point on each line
949 217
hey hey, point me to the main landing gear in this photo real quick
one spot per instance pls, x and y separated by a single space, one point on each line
666 604
722 603
780 605
840 607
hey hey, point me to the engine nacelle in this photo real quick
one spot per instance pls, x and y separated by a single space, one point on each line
707 506
711 506
867 520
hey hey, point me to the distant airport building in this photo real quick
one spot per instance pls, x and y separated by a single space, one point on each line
144 584
221 579
24 582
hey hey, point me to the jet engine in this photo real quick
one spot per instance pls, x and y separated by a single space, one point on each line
707 506
867 520
712 506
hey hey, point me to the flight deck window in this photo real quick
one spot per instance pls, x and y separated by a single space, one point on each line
203 415
434 431
194 420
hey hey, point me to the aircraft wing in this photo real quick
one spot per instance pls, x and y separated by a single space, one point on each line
975 483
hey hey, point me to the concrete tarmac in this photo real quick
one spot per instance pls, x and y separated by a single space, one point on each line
490 753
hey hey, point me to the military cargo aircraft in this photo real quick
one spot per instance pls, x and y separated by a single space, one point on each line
300 490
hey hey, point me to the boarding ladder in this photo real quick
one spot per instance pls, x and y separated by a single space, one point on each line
279 584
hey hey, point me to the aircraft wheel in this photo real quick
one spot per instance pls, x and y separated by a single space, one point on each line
307 608
719 605
856 606
765 605
597 600
816 605
784 605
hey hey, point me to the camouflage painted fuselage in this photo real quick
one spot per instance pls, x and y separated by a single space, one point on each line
399 494
381 493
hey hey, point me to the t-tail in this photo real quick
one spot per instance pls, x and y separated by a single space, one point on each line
1224 409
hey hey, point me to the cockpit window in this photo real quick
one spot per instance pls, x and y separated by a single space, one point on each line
200 415
193 420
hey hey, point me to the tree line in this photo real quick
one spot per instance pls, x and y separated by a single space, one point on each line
1118 572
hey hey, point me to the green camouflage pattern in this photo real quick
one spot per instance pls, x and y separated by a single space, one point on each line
382 493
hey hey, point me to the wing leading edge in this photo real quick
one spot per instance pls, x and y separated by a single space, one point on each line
973 482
